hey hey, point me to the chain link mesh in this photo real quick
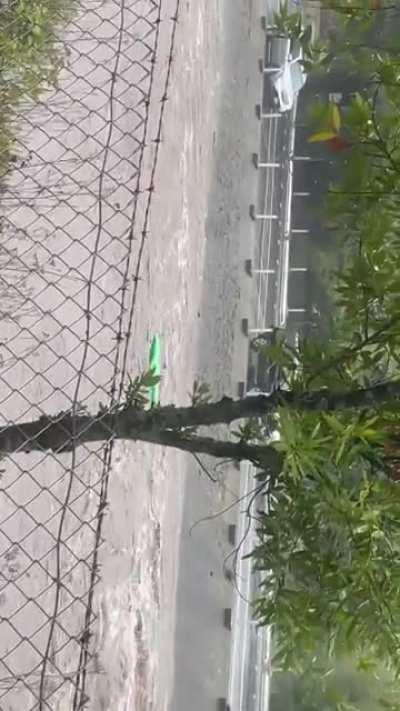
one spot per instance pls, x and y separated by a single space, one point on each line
77 167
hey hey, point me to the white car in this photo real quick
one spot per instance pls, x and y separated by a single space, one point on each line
287 84
286 72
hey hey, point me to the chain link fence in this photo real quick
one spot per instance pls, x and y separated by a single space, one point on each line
77 166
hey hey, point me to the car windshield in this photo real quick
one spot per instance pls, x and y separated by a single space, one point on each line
297 77
296 51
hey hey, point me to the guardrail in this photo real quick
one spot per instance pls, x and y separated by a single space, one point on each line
271 265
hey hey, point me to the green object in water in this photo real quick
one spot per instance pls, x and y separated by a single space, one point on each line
155 367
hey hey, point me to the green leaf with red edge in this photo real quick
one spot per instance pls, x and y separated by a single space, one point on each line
322 136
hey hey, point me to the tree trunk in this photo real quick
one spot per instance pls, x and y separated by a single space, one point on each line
58 434
264 456
160 425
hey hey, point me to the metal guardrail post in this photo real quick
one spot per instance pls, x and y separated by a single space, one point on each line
267 70
260 114
261 216
265 164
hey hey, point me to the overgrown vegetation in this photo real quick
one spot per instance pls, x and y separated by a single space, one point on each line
31 56
343 688
329 541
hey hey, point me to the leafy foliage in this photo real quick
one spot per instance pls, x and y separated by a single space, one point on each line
286 23
339 686
137 388
329 543
329 546
201 393
250 431
31 58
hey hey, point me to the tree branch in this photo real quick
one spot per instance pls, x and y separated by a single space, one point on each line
353 350
380 140
262 455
